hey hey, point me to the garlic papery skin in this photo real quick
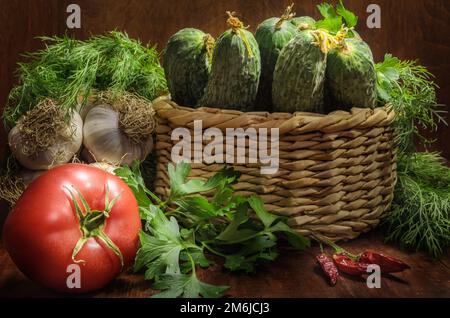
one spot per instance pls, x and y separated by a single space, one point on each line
60 152
90 103
105 140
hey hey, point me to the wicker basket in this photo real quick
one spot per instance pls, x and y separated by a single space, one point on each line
336 173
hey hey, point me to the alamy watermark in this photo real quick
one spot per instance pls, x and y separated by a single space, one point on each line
237 146
73 280
73 20
374 19
374 278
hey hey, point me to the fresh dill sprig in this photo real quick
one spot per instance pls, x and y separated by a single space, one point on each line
420 214
128 65
408 87
68 69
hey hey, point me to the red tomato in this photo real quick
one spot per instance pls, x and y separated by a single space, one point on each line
42 230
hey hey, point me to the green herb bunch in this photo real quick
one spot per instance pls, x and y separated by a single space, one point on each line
335 18
68 69
408 87
182 231
420 216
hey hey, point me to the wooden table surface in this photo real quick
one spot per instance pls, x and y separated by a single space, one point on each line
293 274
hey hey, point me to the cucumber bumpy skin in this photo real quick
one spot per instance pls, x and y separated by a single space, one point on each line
235 71
351 76
298 80
272 35
187 64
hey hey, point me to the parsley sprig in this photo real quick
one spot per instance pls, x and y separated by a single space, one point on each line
335 18
182 232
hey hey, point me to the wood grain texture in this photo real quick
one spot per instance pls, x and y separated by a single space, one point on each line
292 275
411 29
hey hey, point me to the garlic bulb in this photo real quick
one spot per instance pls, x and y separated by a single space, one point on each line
43 139
91 102
119 134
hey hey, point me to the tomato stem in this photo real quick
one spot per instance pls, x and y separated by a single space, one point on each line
92 222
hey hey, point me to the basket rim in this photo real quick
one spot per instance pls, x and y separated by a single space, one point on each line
357 118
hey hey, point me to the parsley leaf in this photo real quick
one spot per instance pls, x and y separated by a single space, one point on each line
186 286
178 181
335 18
327 10
331 24
232 234
160 249
179 185
133 178
180 232
255 250
296 240
351 20
258 206
198 257
197 207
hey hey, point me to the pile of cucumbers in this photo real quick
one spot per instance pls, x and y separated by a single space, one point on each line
291 64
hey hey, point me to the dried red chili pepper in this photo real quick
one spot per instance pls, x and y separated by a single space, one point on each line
349 266
388 264
328 267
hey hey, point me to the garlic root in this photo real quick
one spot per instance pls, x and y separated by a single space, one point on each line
119 131
44 137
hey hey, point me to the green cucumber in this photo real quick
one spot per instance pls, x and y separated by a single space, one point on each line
235 71
272 35
187 64
298 80
351 76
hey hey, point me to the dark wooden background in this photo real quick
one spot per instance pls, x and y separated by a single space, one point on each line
411 29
